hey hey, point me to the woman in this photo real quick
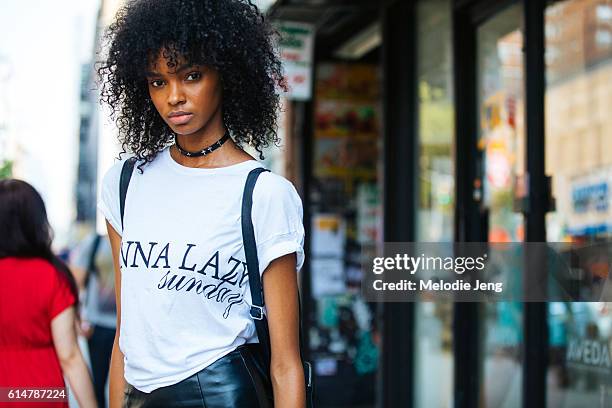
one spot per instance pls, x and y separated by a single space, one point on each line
189 82
38 343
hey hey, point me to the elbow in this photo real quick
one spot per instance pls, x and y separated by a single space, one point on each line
286 371
69 358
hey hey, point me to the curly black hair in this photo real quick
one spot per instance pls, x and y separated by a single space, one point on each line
231 36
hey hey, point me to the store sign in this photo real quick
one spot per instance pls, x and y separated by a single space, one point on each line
591 197
297 44
589 354
585 198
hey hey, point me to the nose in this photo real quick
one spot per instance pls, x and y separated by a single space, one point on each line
176 95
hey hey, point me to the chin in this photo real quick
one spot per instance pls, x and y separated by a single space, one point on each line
185 130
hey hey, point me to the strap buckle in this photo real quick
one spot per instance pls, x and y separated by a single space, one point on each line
257 312
308 373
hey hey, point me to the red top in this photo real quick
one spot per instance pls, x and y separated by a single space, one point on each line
32 293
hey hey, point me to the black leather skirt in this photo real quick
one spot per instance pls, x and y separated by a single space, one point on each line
237 379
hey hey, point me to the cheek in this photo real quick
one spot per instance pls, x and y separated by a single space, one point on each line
208 98
156 100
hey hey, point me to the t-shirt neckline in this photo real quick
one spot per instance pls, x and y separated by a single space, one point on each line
231 169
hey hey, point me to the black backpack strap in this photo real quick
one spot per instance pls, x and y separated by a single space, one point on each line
91 263
250 248
257 294
124 182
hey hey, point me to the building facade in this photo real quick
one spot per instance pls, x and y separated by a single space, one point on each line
454 121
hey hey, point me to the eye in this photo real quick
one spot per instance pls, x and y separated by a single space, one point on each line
156 83
193 76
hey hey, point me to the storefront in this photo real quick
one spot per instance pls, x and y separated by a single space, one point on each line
459 121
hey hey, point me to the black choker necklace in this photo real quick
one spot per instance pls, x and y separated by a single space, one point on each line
204 151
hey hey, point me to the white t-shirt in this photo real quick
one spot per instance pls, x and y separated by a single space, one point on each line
185 295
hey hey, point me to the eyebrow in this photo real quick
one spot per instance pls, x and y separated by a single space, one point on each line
181 68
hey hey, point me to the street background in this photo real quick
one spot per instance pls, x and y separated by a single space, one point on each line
420 120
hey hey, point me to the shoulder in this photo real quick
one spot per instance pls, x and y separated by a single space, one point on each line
272 186
42 269
276 196
39 264
30 271
108 202
112 175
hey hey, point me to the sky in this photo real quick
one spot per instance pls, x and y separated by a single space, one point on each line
45 42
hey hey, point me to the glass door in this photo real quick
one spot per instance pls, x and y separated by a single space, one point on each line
578 141
501 168
434 362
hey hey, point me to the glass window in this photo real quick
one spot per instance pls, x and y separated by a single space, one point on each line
578 145
434 353
346 223
436 125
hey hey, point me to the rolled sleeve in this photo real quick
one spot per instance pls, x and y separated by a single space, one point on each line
277 220
280 246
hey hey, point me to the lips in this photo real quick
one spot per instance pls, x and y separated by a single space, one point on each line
180 118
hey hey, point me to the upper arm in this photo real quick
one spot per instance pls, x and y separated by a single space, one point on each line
64 334
277 220
281 294
115 242
279 234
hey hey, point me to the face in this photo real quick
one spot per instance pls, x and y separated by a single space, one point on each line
188 97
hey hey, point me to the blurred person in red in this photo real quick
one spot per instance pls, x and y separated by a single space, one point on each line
38 299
